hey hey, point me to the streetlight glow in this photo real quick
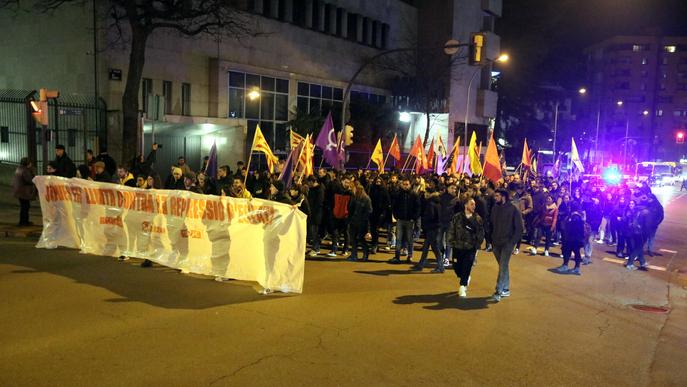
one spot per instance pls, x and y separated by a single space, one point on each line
404 117
503 58
619 103
645 112
582 90
254 94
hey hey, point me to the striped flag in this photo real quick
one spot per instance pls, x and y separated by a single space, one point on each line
295 139
260 145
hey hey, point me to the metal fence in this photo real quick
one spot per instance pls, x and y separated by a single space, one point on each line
77 122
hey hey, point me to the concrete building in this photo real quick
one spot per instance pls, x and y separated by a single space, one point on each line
639 91
302 62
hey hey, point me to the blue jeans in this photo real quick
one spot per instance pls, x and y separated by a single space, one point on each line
589 247
650 241
503 254
432 239
404 237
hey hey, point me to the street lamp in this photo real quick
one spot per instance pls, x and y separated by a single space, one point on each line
254 94
503 58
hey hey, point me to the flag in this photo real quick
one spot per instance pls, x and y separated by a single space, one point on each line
492 163
295 139
473 156
526 155
378 155
557 167
441 148
328 142
452 161
395 150
260 145
421 161
415 150
286 175
575 156
430 156
534 167
211 167
305 158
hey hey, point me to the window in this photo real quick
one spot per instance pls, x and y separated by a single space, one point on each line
299 13
269 107
670 49
167 95
146 91
353 27
385 36
664 99
339 21
641 47
316 22
71 137
185 99
659 113
319 100
645 61
677 113
4 134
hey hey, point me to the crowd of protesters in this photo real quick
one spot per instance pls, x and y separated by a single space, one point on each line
453 215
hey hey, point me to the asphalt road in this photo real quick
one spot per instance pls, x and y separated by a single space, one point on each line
72 319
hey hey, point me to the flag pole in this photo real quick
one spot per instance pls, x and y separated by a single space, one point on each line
250 156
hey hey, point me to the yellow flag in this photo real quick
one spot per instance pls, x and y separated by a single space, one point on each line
260 145
473 154
295 139
378 155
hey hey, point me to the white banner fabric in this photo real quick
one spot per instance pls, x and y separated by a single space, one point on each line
252 240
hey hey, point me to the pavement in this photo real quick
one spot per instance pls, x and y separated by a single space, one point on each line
74 319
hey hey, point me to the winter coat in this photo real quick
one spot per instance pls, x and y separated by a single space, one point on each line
103 177
550 216
381 203
128 181
405 205
430 212
22 185
145 168
110 164
573 230
64 166
594 215
448 208
506 225
316 204
465 233
359 210
655 215
342 199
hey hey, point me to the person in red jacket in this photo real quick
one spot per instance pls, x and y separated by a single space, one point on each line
547 225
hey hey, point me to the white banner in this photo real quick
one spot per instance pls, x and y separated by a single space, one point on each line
252 240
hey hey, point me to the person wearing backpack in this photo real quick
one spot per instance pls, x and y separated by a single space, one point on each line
342 197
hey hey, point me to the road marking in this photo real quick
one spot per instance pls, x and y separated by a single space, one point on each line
668 251
622 261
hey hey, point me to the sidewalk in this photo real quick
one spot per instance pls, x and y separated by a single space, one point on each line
9 216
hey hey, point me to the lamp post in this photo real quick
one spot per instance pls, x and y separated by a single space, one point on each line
583 91
503 58
555 129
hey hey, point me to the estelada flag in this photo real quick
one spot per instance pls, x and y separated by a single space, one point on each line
378 155
260 145
395 150
453 158
526 155
306 156
295 139
430 156
492 163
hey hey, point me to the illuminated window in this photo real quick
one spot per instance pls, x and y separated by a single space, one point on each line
670 49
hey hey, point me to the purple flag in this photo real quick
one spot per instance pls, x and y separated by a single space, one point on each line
441 165
327 141
286 176
211 168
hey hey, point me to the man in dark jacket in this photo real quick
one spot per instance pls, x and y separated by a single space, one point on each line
316 202
110 163
23 189
405 206
430 218
448 199
573 240
224 181
101 174
506 231
63 164
379 196
655 218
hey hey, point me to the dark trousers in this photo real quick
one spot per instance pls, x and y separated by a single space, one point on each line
432 239
340 226
622 242
314 236
357 234
462 264
24 206
374 230
571 248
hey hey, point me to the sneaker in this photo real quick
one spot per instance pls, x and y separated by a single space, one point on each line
147 263
575 271
556 243
562 269
489 249
352 258
462 291
404 251
631 267
331 254
437 270
587 261
496 297
221 279
516 252
643 268
394 260
416 268
546 253
387 248
532 251
620 255
313 253
373 250
505 293
599 241
123 258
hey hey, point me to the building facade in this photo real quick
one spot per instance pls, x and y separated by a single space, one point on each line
639 92
201 90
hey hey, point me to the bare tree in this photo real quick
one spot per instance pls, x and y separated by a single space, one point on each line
133 22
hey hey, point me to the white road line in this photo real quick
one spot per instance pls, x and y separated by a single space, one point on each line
622 261
668 251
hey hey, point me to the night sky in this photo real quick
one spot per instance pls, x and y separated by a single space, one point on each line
546 37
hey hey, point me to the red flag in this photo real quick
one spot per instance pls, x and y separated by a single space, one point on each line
430 155
526 155
414 151
492 163
395 150
421 162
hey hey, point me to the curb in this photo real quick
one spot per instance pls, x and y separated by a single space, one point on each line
5 233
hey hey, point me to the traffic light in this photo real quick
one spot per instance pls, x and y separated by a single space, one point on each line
477 49
680 138
39 109
348 135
